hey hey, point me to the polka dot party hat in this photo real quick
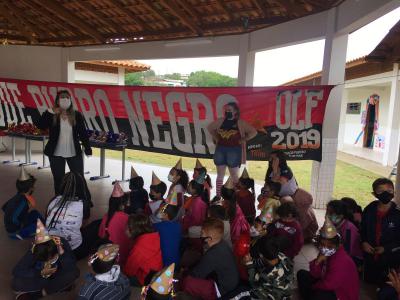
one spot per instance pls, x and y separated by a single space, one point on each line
42 235
163 283
172 199
107 252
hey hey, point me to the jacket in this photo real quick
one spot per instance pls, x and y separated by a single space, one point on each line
303 201
246 200
390 238
170 241
247 132
78 132
292 231
15 213
116 232
195 214
351 239
145 256
338 274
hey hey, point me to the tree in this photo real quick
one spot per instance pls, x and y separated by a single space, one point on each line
139 78
174 76
210 79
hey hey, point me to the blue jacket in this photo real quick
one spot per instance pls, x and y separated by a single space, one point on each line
15 213
390 238
170 240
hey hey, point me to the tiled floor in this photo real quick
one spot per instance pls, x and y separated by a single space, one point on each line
11 251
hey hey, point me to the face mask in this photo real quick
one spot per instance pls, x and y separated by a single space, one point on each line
229 115
65 103
170 178
327 251
152 197
385 197
336 220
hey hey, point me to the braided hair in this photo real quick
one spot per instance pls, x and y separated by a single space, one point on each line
73 188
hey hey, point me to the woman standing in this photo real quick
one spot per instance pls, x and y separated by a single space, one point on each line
66 129
230 135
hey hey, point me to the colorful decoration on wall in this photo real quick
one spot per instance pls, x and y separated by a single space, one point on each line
372 100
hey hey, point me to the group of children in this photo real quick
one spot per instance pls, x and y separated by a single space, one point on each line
178 241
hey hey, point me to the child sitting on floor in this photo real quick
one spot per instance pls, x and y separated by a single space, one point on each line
245 198
107 282
49 267
157 192
216 274
138 198
20 215
333 274
114 223
219 212
145 255
273 277
179 179
340 216
268 201
287 226
198 170
170 234
161 286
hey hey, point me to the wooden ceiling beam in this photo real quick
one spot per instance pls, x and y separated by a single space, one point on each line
126 11
292 8
226 11
261 8
91 10
189 9
71 18
150 7
15 21
177 12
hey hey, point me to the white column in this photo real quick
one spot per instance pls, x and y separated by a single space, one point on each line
392 129
342 122
121 76
246 62
67 67
333 72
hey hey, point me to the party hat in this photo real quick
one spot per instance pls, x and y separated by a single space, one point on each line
163 284
117 190
23 175
154 179
198 164
229 184
268 217
328 230
133 173
107 252
42 235
172 199
245 174
178 165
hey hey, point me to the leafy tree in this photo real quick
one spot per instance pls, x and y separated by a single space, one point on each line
210 79
174 76
139 78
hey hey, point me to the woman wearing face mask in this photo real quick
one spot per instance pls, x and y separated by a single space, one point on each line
66 130
333 274
380 233
341 217
179 179
230 135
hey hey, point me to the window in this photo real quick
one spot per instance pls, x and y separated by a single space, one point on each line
353 108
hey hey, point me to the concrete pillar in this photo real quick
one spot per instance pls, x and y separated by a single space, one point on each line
393 125
246 62
333 72
67 67
342 122
121 76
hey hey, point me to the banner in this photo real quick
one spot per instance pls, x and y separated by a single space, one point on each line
174 120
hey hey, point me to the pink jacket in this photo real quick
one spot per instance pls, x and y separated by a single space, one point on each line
338 274
117 234
239 225
195 214
352 244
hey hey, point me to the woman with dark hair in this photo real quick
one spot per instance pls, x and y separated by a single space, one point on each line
114 223
230 135
279 171
145 256
67 129
65 214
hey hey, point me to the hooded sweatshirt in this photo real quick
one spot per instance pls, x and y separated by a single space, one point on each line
145 256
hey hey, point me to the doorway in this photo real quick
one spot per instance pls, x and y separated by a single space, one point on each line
372 112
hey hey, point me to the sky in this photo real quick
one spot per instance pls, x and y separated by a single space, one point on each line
287 63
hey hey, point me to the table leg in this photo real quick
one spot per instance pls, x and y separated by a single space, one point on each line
43 156
28 154
13 160
102 166
123 164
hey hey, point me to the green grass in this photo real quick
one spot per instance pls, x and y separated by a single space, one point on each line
350 181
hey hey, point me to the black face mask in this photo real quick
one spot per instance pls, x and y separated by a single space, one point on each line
152 197
228 115
385 197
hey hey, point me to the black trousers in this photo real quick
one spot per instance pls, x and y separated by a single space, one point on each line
305 282
90 240
57 165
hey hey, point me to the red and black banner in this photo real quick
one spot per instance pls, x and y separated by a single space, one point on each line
174 120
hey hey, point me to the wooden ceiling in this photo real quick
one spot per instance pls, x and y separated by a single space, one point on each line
90 22
388 50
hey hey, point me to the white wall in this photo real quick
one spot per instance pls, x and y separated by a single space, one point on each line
92 77
32 63
353 124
